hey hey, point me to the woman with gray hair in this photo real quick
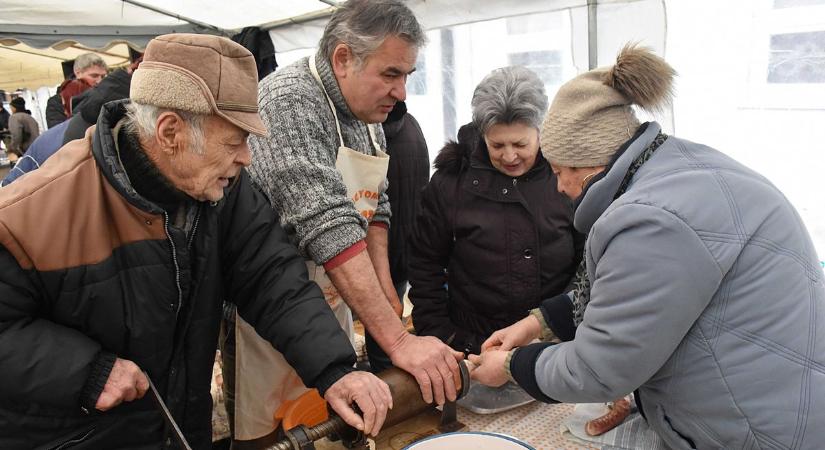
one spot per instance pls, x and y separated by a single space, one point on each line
493 236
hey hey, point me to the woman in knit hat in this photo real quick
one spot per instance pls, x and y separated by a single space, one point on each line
701 289
488 227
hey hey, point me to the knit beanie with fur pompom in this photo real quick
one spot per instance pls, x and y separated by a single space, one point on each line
591 115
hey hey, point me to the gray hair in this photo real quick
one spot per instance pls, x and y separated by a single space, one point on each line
509 95
141 119
87 60
363 25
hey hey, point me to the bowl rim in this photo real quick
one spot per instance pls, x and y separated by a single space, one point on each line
487 433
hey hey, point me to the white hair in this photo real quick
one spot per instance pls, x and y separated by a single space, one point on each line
142 119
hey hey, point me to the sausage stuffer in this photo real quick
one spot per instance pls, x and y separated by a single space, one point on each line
407 402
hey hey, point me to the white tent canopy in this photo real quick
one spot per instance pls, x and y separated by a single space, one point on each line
751 72
28 27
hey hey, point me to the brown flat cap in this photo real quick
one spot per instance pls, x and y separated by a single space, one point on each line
201 74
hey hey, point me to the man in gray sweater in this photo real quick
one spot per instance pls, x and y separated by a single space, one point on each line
324 170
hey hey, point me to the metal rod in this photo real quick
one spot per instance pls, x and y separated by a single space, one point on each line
592 34
329 2
320 14
177 16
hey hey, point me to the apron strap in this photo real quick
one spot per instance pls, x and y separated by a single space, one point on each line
315 74
374 139
314 69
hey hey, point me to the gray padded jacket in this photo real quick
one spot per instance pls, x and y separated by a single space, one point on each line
707 296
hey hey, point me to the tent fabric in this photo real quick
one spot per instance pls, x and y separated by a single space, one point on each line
45 23
33 31
97 37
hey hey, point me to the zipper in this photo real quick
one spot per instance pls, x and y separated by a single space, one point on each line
174 260
194 228
73 441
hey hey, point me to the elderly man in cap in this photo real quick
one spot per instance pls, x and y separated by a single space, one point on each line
117 254
324 168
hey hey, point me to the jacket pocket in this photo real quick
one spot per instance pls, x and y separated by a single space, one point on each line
72 441
684 434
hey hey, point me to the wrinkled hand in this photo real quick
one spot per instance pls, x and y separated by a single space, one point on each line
489 367
126 383
367 391
518 334
433 364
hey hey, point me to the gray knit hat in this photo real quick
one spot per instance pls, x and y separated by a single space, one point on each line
591 115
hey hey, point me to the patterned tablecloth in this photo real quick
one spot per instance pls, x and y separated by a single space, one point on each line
537 424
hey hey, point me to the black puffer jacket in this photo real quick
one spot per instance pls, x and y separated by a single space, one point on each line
487 247
90 270
408 173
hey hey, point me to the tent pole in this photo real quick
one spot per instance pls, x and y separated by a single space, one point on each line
177 16
592 35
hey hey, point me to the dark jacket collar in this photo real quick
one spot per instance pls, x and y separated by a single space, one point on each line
470 151
105 152
333 90
599 194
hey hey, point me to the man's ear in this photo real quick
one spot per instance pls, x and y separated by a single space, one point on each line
342 59
170 132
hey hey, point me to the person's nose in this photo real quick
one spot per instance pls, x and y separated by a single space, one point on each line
399 89
244 156
509 156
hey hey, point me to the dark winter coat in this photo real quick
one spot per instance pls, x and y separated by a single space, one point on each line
408 173
55 115
90 270
487 248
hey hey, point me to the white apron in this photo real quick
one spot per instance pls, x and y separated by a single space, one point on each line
263 378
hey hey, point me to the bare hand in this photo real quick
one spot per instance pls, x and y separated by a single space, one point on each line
367 391
516 335
126 383
433 364
489 367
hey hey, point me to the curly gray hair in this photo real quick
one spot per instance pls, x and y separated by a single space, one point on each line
513 94
364 24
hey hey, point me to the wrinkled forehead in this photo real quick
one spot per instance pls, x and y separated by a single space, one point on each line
394 53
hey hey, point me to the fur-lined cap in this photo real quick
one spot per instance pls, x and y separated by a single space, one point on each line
591 115
201 74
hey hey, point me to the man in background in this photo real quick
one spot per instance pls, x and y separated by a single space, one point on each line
89 70
22 127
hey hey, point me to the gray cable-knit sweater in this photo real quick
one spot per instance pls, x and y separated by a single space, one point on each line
295 165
